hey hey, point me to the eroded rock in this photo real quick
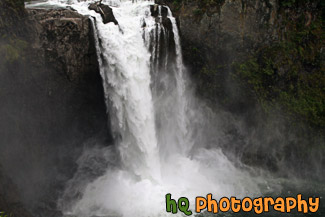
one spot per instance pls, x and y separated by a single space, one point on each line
65 37
105 11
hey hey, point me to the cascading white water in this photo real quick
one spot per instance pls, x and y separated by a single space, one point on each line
157 129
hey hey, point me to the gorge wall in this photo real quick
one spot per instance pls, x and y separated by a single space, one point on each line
278 41
263 62
52 104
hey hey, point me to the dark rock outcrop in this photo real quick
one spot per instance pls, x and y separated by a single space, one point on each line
66 38
52 103
167 42
105 11
160 13
154 9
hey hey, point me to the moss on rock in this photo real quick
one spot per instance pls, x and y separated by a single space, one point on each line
290 73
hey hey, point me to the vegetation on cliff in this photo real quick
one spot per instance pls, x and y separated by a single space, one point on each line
282 66
290 73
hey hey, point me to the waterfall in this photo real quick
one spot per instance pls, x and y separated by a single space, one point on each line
163 136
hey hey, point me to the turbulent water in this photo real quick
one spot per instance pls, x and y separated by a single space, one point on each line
162 133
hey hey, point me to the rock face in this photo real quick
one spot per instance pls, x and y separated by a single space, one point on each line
11 15
52 105
258 60
66 38
154 9
167 42
219 35
215 37
105 11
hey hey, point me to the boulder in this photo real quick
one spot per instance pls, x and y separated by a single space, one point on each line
105 11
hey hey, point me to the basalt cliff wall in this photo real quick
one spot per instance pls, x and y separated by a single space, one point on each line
52 104
263 63
274 48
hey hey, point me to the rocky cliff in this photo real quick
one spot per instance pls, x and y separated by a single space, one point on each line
275 48
66 39
52 105
262 61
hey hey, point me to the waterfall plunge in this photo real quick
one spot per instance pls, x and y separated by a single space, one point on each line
159 130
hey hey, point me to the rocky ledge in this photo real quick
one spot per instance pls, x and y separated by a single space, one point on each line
105 11
66 38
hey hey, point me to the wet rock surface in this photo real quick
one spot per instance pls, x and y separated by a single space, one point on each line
158 10
164 28
105 11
